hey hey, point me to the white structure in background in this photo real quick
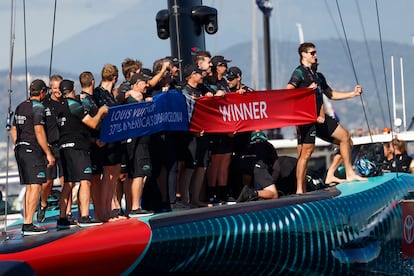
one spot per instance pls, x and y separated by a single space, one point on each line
396 119
300 32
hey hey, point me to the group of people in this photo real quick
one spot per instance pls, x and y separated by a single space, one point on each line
56 135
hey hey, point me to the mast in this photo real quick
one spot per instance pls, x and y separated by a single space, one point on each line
300 32
9 118
255 64
394 108
403 94
185 22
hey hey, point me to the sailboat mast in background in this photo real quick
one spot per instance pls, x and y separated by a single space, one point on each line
255 52
403 94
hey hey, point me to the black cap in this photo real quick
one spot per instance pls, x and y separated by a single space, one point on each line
147 72
175 61
38 85
233 72
66 86
139 77
219 60
191 69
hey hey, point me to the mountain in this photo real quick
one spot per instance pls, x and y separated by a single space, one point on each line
334 64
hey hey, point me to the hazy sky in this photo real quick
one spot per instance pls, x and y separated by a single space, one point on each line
235 24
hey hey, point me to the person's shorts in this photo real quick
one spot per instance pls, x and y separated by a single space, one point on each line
31 163
183 140
112 154
97 158
308 133
76 165
57 169
221 143
138 157
201 152
262 178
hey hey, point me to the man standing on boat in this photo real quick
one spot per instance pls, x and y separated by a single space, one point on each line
52 104
32 151
326 127
74 122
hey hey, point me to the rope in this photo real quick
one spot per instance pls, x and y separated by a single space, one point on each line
53 39
370 64
385 78
25 48
383 64
353 69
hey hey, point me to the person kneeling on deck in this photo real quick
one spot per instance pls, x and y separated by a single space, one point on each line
258 163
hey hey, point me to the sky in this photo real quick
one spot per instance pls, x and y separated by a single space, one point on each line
235 21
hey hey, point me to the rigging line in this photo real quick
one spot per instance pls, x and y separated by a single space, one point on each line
336 29
385 78
25 47
353 69
383 64
370 63
9 113
53 39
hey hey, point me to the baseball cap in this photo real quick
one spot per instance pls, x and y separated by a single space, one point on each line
147 72
219 60
233 72
191 69
66 86
139 77
175 61
38 85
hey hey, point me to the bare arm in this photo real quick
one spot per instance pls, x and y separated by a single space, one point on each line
155 79
338 95
42 140
289 86
94 121
13 134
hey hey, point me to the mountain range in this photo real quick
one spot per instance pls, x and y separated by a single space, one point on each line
114 40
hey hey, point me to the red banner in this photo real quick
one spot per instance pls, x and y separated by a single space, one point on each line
408 228
254 110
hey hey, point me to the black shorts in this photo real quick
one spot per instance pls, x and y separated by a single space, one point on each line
31 163
262 177
97 158
158 152
57 169
138 157
183 140
112 154
308 133
201 150
76 165
220 143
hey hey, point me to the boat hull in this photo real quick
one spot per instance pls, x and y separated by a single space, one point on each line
352 228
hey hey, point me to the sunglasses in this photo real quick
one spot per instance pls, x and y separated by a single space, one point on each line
312 53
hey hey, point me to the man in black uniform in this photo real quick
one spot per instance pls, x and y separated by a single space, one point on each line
52 104
75 142
325 127
32 152
234 77
260 169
